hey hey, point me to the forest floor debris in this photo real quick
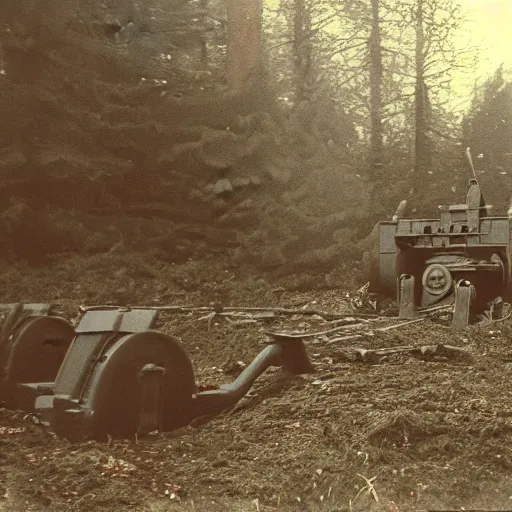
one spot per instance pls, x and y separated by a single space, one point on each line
419 416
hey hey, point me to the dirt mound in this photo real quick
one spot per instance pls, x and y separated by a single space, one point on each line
400 427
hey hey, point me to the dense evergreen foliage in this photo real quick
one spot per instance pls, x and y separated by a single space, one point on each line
120 131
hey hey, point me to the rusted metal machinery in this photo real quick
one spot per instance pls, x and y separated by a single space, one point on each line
464 256
33 345
120 378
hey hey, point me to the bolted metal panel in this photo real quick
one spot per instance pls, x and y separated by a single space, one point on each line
138 320
387 237
407 307
494 231
77 362
98 321
117 320
416 226
387 273
464 295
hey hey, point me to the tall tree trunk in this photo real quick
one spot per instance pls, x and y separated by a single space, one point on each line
203 4
302 51
377 146
421 145
244 63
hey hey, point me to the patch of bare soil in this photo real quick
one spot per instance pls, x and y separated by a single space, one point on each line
399 432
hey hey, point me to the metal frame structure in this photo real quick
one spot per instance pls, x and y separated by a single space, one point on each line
464 254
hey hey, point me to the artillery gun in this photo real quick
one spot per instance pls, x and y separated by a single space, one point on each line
114 374
464 257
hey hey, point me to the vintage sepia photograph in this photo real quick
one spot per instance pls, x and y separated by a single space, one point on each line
255 255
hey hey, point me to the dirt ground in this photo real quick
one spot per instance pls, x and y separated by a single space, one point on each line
400 432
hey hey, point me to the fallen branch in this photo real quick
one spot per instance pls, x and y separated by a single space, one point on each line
500 319
435 309
423 350
244 321
402 324
379 329
367 330
221 309
237 318
264 315
314 334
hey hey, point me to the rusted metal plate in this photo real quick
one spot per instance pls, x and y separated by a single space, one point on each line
77 363
138 320
464 295
407 308
120 320
386 237
494 230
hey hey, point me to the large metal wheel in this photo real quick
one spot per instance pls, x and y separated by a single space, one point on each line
36 353
113 394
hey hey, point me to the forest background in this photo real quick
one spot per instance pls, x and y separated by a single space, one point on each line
268 135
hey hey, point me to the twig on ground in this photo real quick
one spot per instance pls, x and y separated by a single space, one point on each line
244 321
402 324
209 317
344 338
502 319
368 488
436 309
379 329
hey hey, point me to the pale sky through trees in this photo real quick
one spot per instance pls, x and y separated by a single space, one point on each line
493 24
489 28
